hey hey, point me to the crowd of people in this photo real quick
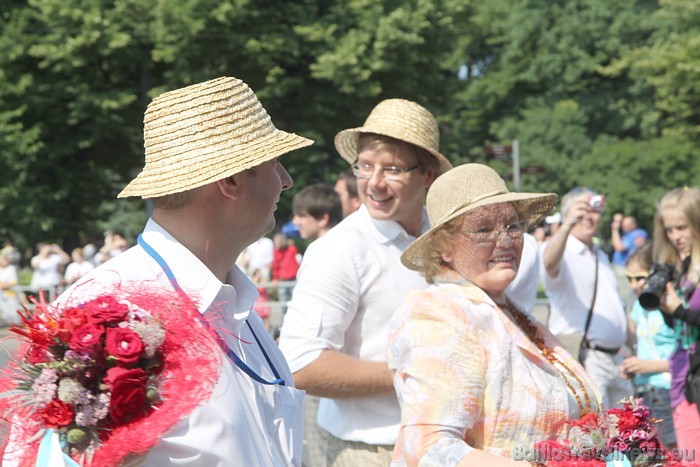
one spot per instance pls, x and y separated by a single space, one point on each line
408 329
52 270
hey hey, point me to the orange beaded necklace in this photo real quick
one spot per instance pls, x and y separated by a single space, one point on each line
526 325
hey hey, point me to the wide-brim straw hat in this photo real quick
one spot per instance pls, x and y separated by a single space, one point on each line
399 119
464 189
203 133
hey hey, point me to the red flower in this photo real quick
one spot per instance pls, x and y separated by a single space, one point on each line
39 354
106 309
57 414
590 420
128 388
124 344
626 419
87 337
72 319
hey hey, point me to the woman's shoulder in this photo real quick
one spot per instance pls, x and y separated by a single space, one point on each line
447 301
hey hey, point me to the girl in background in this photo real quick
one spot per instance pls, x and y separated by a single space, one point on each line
9 300
677 243
655 342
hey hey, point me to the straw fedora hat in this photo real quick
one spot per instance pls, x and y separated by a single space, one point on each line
465 188
203 133
400 119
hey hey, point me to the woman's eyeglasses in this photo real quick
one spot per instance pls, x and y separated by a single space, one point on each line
632 278
488 234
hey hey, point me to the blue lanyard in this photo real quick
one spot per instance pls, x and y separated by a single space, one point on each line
227 350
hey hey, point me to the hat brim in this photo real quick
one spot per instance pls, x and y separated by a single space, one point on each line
533 206
192 172
346 145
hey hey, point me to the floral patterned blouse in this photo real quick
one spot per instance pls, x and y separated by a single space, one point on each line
468 378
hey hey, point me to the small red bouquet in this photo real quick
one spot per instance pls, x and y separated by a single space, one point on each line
95 373
621 436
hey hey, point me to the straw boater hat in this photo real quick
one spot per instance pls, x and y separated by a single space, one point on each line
203 133
464 189
400 119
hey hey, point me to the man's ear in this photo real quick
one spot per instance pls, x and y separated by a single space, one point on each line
431 175
324 220
230 186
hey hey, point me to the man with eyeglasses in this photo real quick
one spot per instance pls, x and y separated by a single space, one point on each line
579 280
351 280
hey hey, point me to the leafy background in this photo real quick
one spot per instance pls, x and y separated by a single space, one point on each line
600 93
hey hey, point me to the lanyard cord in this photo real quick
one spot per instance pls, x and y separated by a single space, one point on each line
224 347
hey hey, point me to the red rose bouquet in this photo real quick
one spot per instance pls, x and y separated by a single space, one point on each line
620 436
95 373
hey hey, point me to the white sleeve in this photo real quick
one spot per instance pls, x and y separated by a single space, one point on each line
324 303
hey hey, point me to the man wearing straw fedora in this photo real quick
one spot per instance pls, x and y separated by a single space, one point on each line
213 175
351 280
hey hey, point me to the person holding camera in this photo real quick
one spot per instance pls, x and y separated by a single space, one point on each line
677 244
586 311
648 369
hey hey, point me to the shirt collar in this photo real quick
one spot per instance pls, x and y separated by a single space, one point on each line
197 280
578 246
389 230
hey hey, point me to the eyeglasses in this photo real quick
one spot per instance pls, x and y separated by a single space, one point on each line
390 172
488 234
632 278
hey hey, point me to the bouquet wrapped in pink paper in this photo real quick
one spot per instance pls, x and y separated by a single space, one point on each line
106 378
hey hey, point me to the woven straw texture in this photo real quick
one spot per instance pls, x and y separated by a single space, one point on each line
203 133
465 188
400 119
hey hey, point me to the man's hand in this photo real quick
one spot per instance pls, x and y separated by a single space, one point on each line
579 209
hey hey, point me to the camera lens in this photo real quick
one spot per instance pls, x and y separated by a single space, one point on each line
659 275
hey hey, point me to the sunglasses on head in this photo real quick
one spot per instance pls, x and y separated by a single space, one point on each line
636 277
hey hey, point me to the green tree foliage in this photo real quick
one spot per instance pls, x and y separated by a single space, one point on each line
599 93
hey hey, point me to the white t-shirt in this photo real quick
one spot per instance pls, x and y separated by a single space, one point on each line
260 254
75 271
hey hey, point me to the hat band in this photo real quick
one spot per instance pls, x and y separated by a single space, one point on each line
474 200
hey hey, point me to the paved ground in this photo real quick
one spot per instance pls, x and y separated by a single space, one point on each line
7 344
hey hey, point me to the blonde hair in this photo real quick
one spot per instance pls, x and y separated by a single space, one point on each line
441 240
687 202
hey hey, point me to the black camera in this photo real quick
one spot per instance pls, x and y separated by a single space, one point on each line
659 275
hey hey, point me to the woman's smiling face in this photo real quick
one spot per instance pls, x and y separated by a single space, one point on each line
487 248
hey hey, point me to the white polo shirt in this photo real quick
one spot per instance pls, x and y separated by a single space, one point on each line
350 283
571 293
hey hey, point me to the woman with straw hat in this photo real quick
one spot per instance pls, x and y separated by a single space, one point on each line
476 378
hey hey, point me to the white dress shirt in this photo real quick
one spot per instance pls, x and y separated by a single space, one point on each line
350 283
571 293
